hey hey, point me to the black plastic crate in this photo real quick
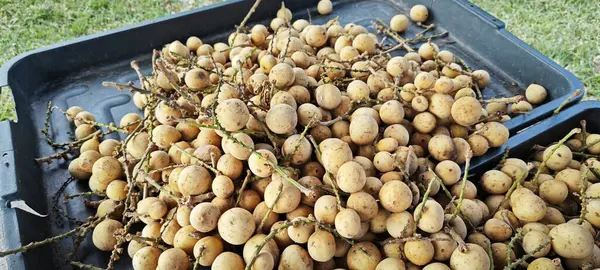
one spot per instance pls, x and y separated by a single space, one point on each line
71 73
545 133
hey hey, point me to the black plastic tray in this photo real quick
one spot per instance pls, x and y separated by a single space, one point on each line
71 73
545 133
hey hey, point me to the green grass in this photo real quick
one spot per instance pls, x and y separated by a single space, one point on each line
565 30
29 24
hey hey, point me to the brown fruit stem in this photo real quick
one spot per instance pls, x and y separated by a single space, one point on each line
582 196
569 98
468 155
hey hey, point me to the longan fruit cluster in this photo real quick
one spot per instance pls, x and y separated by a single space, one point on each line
309 147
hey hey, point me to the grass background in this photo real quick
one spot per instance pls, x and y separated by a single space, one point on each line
568 31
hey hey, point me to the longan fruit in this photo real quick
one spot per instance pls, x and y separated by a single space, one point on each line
84 130
347 223
571 241
258 34
157 209
117 190
432 216
448 171
364 43
535 94
295 257
468 92
145 258
90 144
158 160
230 166
395 196
497 230
391 112
87 160
183 239
441 105
479 145
204 216
108 146
140 100
300 94
72 112
443 248
399 23
363 129
236 150
521 107
387 145
560 159
282 119
228 260
466 111
290 196
441 147
424 80
364 204
165 135
282 75
419 252
324 7
474 258
553 191
481 77
267 63
283 97
207 249
258 166
428 50
363 255
106 169
495 182
259 213
193 180
328 96
197 79
384 162
173 258
496 133
165 114
397 65
232 114
236 226
419 13
249 200
222 186
534 239
470 191
528 207
571 177
335 156
81 117
451 70
103 234
544 263
500 253
300 233
443 85
358 90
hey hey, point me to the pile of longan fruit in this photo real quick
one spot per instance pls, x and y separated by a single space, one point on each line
306 146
